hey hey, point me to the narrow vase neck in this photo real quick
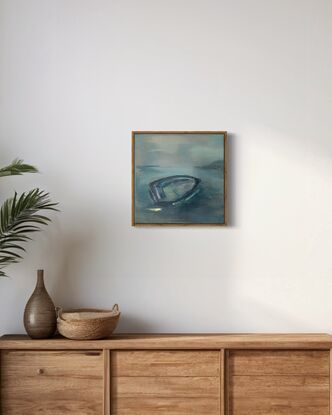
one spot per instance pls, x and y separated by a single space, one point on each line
40 279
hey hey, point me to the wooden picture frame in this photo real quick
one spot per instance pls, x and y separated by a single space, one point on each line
151 142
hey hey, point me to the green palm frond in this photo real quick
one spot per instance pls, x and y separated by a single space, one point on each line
19 217
17 167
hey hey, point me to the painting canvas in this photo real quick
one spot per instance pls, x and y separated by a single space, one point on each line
179 178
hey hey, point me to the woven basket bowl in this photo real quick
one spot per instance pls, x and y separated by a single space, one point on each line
87 323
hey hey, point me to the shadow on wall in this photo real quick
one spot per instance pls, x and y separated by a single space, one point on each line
131 324
72 286
77 247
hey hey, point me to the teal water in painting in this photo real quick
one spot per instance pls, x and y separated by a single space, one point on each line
159 156
206 207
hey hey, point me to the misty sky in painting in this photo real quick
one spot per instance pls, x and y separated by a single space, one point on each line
186 150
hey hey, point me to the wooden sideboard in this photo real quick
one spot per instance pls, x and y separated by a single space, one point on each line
216 374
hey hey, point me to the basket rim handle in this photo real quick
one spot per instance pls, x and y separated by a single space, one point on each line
58 311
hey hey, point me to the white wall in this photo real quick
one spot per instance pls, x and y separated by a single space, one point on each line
77 76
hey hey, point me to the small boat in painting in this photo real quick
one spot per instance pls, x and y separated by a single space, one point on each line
174 190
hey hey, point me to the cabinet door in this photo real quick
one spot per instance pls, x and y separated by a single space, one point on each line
278 382
52 382
165 382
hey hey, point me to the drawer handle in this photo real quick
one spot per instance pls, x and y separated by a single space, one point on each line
40 371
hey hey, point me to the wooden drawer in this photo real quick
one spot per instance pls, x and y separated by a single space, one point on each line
52 382
165 363
279 362
278 383
165 382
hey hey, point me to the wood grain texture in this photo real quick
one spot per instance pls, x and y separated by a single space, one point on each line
165 363
165 382
279 395
166 387
158 406
279 362
279 382
193 374
51 383
175 341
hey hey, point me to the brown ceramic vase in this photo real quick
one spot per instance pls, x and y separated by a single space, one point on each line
39 313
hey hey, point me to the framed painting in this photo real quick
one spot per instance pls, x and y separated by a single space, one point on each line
179 178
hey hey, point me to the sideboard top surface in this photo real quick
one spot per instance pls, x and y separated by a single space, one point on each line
174 341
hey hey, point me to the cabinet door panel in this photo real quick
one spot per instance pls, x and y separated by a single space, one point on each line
279 395
52 382
165 382
278 383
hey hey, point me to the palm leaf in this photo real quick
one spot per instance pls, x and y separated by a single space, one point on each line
17 167
19 217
